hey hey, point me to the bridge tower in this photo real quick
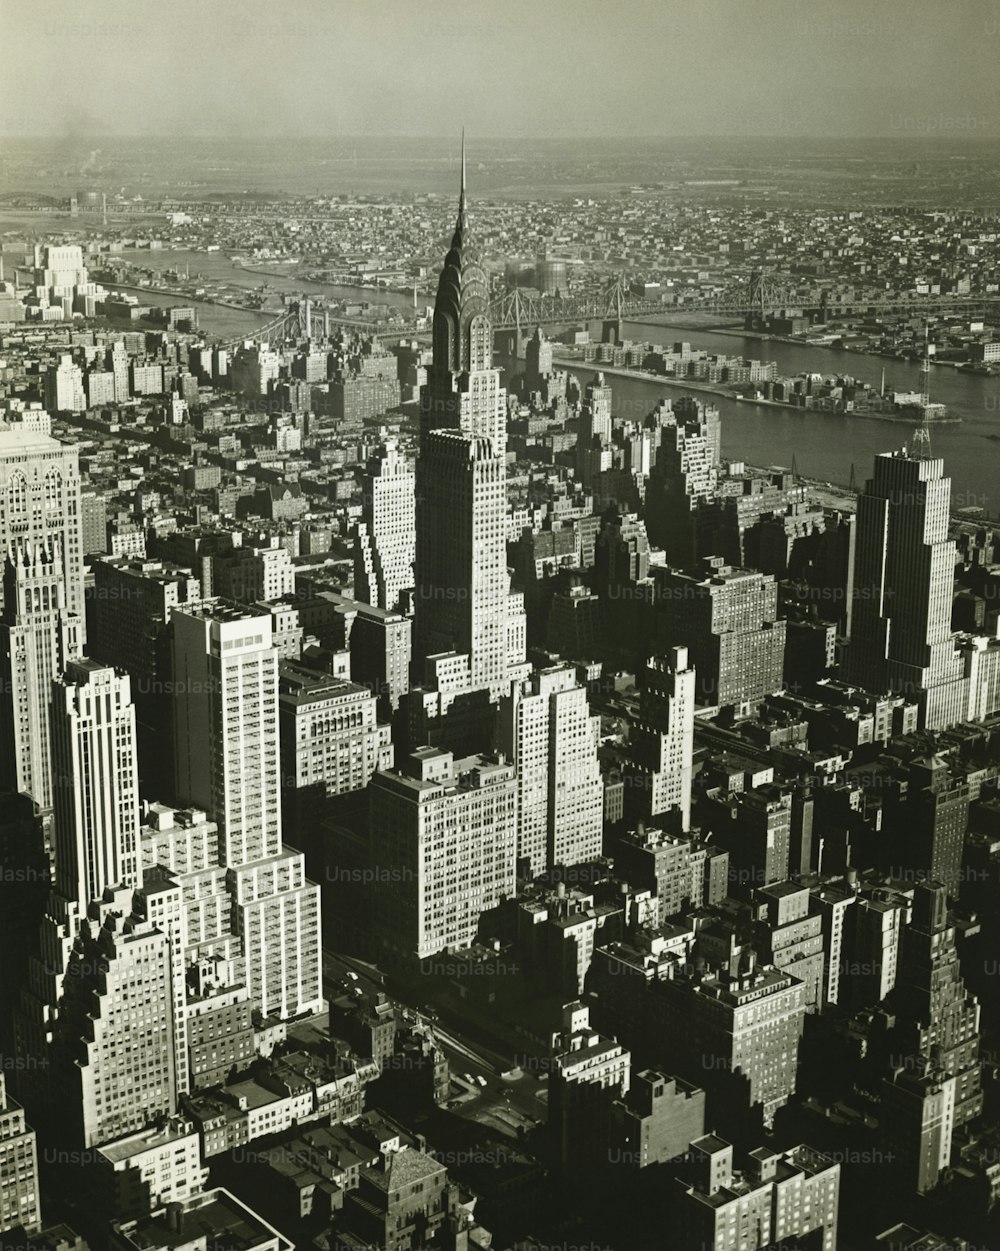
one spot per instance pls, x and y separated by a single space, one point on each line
611 326
762 301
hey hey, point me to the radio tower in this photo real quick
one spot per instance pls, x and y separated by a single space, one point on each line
921 449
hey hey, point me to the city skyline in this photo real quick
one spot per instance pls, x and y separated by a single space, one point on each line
460 787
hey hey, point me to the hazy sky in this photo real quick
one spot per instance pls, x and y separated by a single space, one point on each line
503 67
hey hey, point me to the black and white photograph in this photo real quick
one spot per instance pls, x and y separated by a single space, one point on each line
499 625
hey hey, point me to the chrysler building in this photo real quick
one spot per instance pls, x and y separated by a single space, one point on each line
462 586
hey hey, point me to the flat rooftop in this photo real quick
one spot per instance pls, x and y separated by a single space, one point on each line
216 1215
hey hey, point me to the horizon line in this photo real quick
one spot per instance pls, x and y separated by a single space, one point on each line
903 133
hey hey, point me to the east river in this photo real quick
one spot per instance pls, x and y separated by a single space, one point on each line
825 446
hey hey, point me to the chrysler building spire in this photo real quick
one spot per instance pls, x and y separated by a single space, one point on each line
461 198
463 338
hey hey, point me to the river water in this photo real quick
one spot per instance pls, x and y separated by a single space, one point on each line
217 267
827 446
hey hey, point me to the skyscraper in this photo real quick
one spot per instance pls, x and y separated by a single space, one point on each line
64 387
901 636
384 544
40 502
936 1016
461 579
444 844
95 773
226 724
593 442
659 759
96 810
226 751
683 478
918 1121
115 1059
37 637
589 1074
547 730
728 619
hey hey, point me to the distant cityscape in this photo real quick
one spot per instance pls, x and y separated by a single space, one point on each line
447 804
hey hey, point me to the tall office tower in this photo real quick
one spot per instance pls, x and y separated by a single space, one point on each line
918 1121
786 1199
364 383
901 636
61 278
114 1058
145 378
226 753
832 571
443 850
461 489
331 742
64 391
96 819
40 503
791 937
682 480
831 902
226 724
728 620
130 605
100 386
620 579
37 638
253 369
20 1205
929 821
384 543
872 944
118 362
184 894
310 364
94 523
547 730
593 440
95 782
589 1075
621 555
538 363
657 763
935 1015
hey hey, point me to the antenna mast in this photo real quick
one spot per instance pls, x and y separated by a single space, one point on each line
921 449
